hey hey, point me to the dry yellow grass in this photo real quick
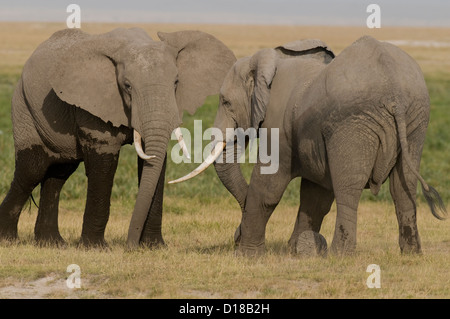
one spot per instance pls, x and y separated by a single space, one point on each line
199 261
18 40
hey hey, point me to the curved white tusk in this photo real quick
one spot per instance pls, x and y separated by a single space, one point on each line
181 142
208 161
138 147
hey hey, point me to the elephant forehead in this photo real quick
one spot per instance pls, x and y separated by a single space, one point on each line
150 56
232 90
236 78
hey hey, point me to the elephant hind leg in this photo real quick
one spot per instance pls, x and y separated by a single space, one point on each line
46 228
31 165
11 208
351 156
403 185
315 203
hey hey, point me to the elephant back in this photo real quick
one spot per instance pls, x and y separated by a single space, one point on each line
36 70
314 48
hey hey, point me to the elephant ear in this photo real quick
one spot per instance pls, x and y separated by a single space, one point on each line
314 47
85 76
263 65
202 62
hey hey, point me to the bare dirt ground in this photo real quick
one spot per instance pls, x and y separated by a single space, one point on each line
47 287
37 289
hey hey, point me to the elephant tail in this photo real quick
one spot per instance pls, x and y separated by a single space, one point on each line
431 195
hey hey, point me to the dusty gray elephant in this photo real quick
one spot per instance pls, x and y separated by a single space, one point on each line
81 97
361 119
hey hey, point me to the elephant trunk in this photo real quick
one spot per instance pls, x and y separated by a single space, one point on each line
140 152
228 169
156 127
230 174
151 172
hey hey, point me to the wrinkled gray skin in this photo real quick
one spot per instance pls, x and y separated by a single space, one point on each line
344 126
79 98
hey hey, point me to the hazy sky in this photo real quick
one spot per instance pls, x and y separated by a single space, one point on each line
318 12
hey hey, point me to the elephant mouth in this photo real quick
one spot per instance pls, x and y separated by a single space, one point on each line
140 152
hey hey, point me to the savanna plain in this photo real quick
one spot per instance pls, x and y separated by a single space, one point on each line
200 216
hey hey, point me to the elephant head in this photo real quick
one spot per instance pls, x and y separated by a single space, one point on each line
244 96
126 78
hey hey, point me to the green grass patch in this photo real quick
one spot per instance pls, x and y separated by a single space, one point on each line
435 166
198 224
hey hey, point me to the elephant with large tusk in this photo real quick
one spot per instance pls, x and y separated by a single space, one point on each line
81 97
345 123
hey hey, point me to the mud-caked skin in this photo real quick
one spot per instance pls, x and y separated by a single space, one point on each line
79 99
344 125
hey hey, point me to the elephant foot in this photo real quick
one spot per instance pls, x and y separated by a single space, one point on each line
253 251
407 249
153 242
310 244
409 240
8 233
237 235
50 239
342 248
97 243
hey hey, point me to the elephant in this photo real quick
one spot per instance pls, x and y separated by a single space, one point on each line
81 97
343 126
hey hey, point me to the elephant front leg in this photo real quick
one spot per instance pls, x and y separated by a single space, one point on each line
100 170
151 234
315 203
264 194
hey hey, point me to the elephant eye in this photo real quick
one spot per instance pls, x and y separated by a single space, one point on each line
225 102
127 86
176 83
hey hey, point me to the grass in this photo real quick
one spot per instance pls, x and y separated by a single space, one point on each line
200 216
200 261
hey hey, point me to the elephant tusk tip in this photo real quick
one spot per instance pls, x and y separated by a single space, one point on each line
208 161
138 146
148 157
